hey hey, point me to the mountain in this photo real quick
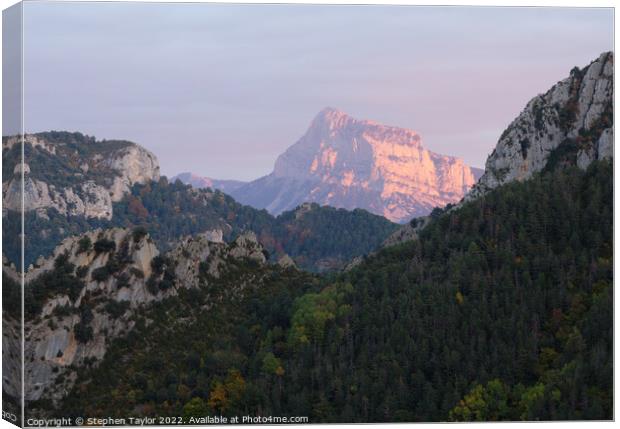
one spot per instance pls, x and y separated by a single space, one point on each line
501 309
350 163
72 173
571 123
196 181
75 183
89 291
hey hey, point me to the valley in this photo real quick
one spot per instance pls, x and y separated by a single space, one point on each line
366 279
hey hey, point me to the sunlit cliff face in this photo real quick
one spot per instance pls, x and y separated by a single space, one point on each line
356 155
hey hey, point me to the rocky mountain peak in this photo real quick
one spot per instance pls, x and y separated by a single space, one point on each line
332 118
350 163
333 122
571 123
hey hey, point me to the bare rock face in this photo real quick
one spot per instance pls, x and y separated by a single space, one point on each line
247 246
572 123
51 346
349 163
136 165
86 199
200 182
31 139
285 261
407 232
573 119
192 251
97 180
215 236
121 271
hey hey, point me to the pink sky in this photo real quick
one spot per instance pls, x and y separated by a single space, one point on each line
222 90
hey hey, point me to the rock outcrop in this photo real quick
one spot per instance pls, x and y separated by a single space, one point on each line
76 179
285 261
119 271
86 199
407 232
572 122
201 182
348 163
135 165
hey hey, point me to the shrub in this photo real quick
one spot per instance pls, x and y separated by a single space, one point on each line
85 244
62 264
139 233
101 274
167 282
104 245
158 264
152 285
525 145
81 272
117 308
83 332
137 272
122 255
122 280
437 211
113 265
62 310
415 222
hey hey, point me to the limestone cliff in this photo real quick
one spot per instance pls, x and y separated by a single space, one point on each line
349 163
72 173
571 123
106 276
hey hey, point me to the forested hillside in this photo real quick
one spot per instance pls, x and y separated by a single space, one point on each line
317 238
501 310
59 157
